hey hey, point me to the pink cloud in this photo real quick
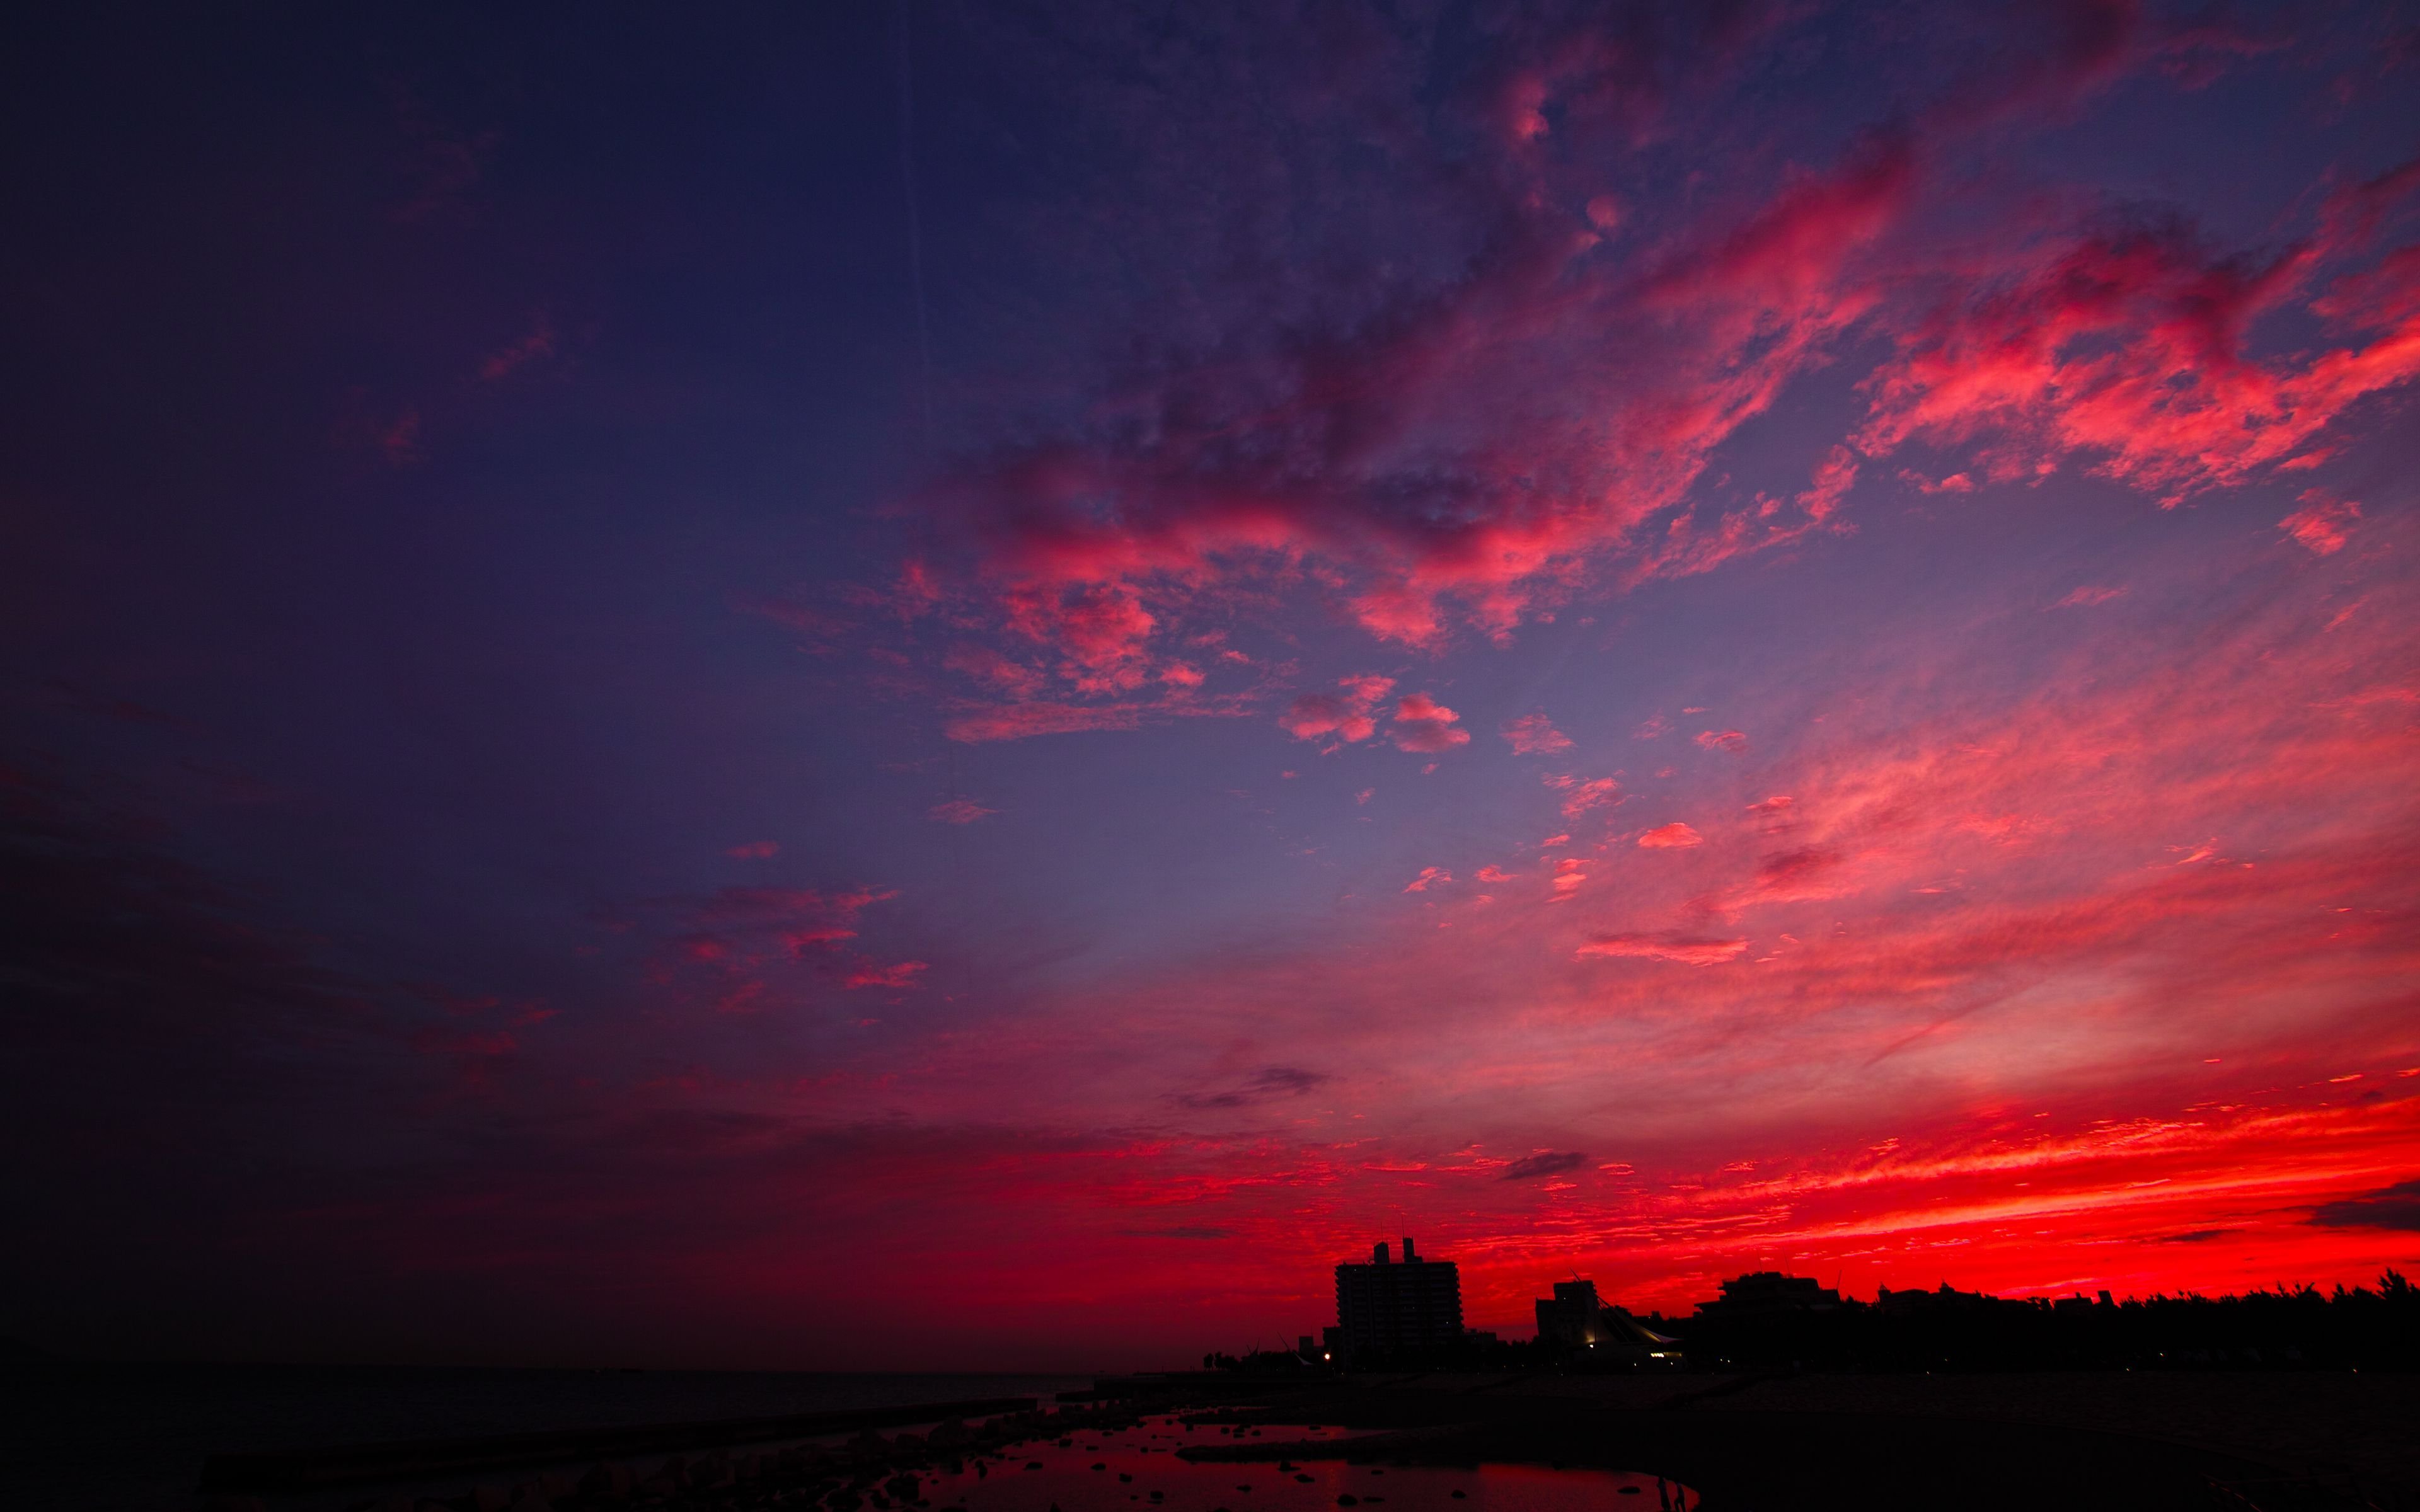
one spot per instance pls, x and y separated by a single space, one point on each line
1675 836
1580 797
1490 873
1954 483
1100 540
1102 630
2324 523
1349 715
995 669
755 849
2126 345
1423 724
2089 596
1553 840
1020 722
1834 477
1731 740
1570 872
1534 735
1430 876
959 812
1687 949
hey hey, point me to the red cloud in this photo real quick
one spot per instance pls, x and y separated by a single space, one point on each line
870 973
1349 715
1430 876
1534 735
1688 949
2128 345
1423 724
960 811
755 849
1722 740
1675 836
1406 462
2322 523
1102 629
1490 873
1955 483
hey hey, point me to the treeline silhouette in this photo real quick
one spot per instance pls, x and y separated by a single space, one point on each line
2358 1328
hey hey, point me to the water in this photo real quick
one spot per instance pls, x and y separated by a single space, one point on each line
1140 1472
132 1438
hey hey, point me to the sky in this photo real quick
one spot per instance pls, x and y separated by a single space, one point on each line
971 686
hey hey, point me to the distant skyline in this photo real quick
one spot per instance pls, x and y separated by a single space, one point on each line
971 687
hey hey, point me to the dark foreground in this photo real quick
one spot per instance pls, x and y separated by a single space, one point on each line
2135 1440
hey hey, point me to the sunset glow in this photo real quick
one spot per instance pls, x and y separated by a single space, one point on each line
963 687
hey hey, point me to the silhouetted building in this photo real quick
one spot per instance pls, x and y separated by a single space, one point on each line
1769 1294
1574 1319
1568 1319
1388 1310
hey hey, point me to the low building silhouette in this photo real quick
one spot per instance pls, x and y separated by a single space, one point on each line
1575 1321
1929 1304
1390 1310
1770 1294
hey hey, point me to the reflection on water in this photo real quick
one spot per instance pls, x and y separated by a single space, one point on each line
1138 1470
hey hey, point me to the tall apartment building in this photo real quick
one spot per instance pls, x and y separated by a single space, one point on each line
1390 1310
